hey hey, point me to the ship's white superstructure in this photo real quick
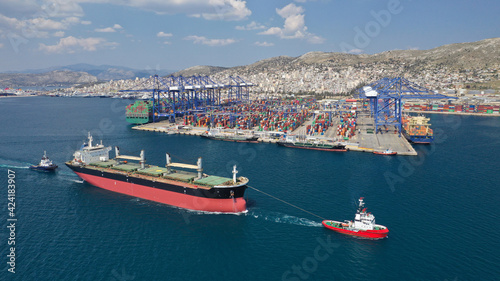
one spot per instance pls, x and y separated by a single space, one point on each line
90 153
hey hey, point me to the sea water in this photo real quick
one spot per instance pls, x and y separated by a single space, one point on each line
441 207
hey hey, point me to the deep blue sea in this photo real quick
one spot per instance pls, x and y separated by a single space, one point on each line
442 207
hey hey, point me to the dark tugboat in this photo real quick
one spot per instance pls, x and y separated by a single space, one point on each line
45 164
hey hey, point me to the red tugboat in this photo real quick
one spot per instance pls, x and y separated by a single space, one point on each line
363 225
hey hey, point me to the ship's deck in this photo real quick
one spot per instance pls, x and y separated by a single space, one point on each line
161 174
154 171
213 180
104 164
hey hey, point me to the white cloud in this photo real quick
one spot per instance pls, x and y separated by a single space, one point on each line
9 23
1 45
210 42
229 10
356 51
34 28
314 39
264 44
36 23
272 31
290 10
251 26
71 44
109 29
47 9
71 20
167 43
34 18
294 26
58 34
163 34
46 24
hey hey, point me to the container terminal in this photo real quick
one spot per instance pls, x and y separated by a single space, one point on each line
372 121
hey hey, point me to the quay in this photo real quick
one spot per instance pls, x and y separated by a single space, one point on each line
365 140
372 120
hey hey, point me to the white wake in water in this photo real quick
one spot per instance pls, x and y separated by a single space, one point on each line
197 212
13 164
283 218
69 176
13 167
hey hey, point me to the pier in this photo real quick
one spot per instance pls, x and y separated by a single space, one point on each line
371 123
365 139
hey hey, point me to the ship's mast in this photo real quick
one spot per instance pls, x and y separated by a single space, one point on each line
200 168
168 161
90 140
235 172
143 160
361 204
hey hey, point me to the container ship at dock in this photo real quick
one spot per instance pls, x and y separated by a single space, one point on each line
180 188
417 129
140 112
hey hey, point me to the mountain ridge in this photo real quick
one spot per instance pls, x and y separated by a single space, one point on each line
455 56
444 66
102 72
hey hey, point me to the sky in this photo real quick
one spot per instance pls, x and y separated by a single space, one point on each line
177 34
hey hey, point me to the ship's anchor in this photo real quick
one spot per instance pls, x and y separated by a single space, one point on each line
231 193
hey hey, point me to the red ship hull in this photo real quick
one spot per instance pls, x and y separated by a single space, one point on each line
229 205
373 234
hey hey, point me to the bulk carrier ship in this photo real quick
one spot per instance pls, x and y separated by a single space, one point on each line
180 188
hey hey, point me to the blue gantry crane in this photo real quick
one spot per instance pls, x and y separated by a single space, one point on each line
386 95
239 89
177 95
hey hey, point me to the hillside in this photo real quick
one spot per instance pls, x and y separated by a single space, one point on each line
463 65
451 65
101 72
53 78
199 70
